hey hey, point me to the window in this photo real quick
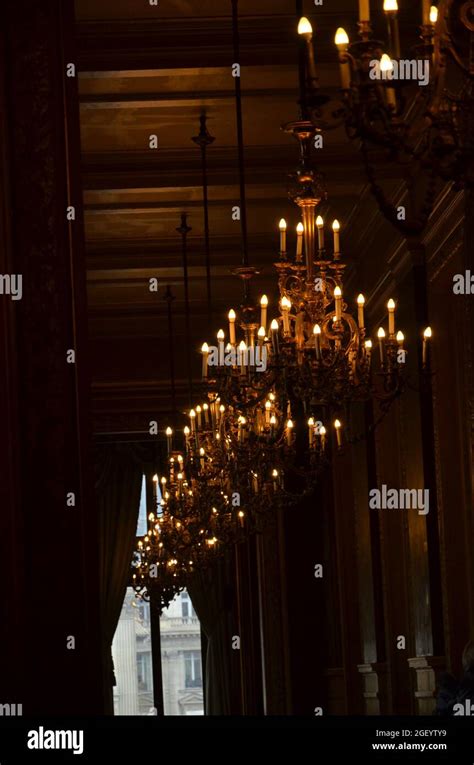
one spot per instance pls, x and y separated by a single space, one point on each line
144 675
192 669
181 658
132 655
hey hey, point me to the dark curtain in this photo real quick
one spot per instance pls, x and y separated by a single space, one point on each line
213 596
118 486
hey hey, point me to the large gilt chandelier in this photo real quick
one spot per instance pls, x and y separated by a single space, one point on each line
416 104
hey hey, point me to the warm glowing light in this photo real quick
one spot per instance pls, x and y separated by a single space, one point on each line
169 432
368 344
289 424
336 226
381 333
285 303
386 63
341 37
274 473
400 337
316 329
391 305
304 26
390 5
274 325
337 424
264 301
427 333
231 315
186 430
268 404
282 225
242 346
204 348
337 292
319 222
261 333
322 430
300 229
221 335
360 299
433 14
155 478
311 422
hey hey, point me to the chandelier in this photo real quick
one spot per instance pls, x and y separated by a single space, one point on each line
418 107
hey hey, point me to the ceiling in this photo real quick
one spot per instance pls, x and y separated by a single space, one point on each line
155 74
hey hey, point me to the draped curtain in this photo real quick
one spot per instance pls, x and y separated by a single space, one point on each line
213 596
118 486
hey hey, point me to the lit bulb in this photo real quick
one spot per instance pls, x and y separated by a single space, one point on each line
274 473
204 348
316 329
304 26
274 325
360 299
322 430
336 226
386 64
169 432
400 337
261 333
289 424
391 305
368 344
381 333
155 478
433 14
319 222
221 335
390 5
311 422
341 37
186 430
242 346
337 292
427 333
231 315
264 301
337 424
300 229
285 303
282 225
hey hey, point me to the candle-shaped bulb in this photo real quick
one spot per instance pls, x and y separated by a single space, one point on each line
427 334
155 478
221 336
336 226
319 222
337 424
304 27
311 422
386 64
263 301
300 229
391 305
186 431
390 6
400 338
316 329
282 225
433 14
360 299
381 333
285 303
368 344
274 326
261 333
231 315
341 38
322 430
337 292
169 432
